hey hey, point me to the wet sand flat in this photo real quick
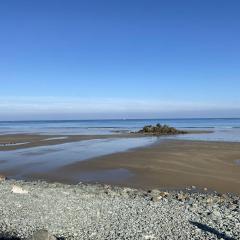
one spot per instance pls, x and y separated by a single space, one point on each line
164 164
170 164
10 142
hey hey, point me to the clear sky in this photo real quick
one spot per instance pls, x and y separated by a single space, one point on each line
118 59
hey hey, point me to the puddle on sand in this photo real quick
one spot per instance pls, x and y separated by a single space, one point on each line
110 175
54 138
45 159
237 162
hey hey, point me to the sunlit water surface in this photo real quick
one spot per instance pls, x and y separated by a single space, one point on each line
46 158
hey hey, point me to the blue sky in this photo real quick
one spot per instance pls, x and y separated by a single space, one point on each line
117 59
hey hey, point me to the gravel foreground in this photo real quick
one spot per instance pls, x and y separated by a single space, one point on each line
104 212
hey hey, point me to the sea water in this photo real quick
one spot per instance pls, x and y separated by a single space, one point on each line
42 159
223 129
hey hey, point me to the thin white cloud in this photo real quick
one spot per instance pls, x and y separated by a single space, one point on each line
42 107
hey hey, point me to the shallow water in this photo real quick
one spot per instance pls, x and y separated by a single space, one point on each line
45 158
40 160
224 129
54 138
237 162
230 135
111 175
13 144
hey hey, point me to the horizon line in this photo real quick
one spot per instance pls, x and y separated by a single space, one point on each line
117 119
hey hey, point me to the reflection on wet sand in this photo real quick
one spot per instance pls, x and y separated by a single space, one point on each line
237 162
129 160
40 160
172 164
115 176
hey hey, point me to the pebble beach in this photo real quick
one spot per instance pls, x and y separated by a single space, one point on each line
105 212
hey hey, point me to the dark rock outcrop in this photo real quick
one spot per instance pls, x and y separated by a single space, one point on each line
160 130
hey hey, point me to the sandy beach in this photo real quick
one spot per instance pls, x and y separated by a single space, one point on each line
170 164
166 164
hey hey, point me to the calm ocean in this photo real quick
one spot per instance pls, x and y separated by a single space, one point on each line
224 129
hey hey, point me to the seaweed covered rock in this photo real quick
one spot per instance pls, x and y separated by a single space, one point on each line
160 130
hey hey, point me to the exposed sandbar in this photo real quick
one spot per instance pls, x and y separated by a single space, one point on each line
20 141
171 164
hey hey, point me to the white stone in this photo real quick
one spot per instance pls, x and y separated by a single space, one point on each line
2 178
17 189
149 236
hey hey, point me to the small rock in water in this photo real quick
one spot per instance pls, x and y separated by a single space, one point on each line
205 189
17 189
42 235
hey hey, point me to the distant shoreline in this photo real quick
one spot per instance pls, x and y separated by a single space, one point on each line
118 119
